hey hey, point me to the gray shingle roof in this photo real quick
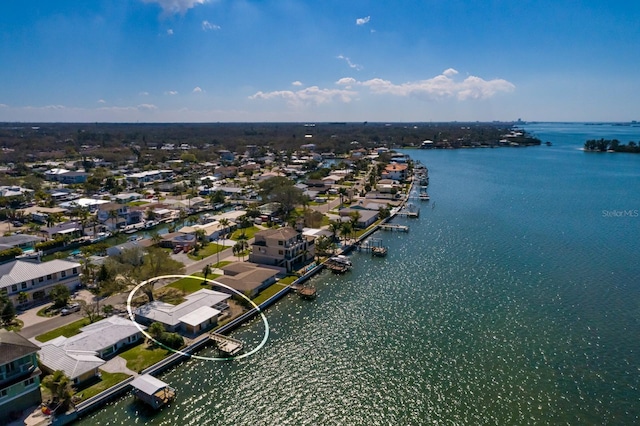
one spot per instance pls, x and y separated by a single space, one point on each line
14 346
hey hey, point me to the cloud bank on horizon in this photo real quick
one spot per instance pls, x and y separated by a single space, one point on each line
224 60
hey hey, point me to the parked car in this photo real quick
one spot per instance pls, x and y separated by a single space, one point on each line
69 309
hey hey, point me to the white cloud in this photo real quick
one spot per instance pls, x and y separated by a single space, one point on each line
102 101
4 106
143 93
438 87
296 83
208 26
170 31
449 72
176 6
348 61
310 95
171 92
196 89
362 21
146 107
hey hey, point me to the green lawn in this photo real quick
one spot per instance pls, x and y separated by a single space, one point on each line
137 203
249 232
288 280
66 331
267 293
108 380
143 356
210 249
189 285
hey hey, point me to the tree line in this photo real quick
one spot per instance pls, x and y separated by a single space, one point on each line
604 145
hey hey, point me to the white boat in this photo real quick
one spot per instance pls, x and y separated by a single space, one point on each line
342 259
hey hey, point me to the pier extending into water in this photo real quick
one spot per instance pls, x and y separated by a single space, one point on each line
392 227
226 344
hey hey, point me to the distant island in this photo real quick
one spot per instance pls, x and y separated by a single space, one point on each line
610 145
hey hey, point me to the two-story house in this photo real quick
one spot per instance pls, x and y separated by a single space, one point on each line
19 375
36 279
395 171
122 215
282 248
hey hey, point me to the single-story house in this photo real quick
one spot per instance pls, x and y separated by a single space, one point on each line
79 366
366 217
200 311
247 278
104 337
25 242
72 229
175 239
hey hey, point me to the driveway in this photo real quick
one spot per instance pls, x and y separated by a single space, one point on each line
49 324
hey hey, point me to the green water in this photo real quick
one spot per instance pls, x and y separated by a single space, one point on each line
515 300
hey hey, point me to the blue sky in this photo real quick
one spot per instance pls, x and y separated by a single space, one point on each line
288 60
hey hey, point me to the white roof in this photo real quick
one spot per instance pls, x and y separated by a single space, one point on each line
99 335
148 384
173 314
199 316
83 202
19 271
72 363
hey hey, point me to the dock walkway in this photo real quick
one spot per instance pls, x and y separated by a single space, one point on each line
226 344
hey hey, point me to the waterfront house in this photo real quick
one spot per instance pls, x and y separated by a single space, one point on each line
395 171
19 375
79 366
247 278
200 311
25 242
37 279
366 217
67 229
104 337
282 248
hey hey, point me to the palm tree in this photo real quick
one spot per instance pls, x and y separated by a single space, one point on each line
342 192
206 271
241 246
346 230
155 237
224 224
113 215
61 390
83 217
354 218
334 227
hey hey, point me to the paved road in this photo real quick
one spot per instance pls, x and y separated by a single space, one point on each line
49 324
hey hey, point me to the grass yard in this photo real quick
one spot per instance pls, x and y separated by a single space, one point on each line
143 356
249 232
108 380
66 331
189 285
210 249
267 293
288 280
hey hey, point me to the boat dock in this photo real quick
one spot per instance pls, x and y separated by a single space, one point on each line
306 292
226 344
373 245
391 227
410 210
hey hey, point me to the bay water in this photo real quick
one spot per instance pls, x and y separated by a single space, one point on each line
513 299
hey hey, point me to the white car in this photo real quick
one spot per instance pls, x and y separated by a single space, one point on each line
69 309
